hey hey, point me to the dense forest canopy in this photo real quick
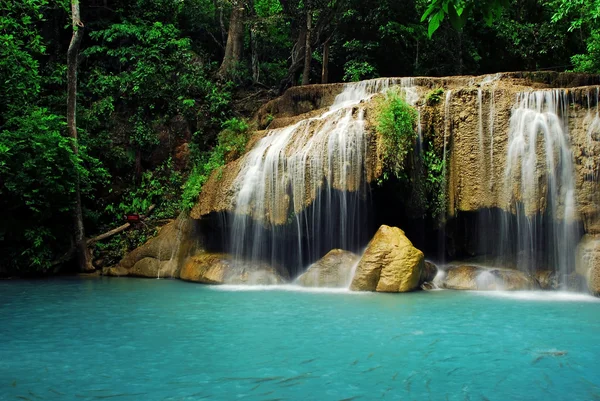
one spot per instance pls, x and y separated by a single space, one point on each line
165 88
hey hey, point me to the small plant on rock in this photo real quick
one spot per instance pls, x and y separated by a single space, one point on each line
396 124
434 96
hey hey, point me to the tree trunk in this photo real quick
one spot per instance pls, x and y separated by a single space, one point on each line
307 47
83 259
255 63
325 70
235 40
297 58
251 15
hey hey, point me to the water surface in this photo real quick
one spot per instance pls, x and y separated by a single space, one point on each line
135 339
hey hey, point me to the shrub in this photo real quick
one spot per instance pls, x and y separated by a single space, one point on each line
396 124
231 143
434 96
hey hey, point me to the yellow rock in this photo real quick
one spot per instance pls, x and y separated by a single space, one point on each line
220 268
390 263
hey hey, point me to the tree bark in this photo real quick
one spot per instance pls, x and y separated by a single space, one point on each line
235 40
325 70
83 257
297 58
307 47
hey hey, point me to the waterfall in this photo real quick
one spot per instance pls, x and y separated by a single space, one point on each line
592 120
303 190
491 126
539 184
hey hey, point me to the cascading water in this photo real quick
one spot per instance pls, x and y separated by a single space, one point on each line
303 189
539 185
593 122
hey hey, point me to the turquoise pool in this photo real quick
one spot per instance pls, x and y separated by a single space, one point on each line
135 339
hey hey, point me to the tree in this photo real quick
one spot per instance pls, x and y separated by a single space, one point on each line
235 39
83 258
584 17
458 11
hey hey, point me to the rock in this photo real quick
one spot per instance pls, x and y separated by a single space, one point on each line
390 263
429 286
115 271
163 253
219 268
429 272
153 268
481 278
588 262
332 270
546 279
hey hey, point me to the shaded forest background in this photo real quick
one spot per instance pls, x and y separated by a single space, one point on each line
167 87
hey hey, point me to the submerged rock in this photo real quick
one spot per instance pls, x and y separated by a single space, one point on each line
390 263
481 278
220 268
332 270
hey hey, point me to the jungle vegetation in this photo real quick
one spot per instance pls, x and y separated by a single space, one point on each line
115 107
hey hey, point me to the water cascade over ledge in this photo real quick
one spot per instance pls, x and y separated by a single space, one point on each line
303 189
539 184
518 173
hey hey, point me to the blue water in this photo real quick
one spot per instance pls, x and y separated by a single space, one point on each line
129 339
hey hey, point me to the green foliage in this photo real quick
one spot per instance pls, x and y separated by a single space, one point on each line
458 12
434 183
231 143
38 173
358 70
583 16
434 96
160 187
396 125
21 45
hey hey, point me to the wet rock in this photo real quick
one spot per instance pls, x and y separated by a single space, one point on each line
588 262
220 268
153 268
481 278
390 263
429 286
163 253
429 272
547 279
115 271
332 270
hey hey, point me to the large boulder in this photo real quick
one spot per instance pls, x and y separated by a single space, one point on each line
332 270
220 268
162 255
390 263
481 278
588 262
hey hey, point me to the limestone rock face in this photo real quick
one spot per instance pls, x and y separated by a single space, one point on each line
115 271
161 255
588 262
480 278
390 263
332 270
471 122
220 268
